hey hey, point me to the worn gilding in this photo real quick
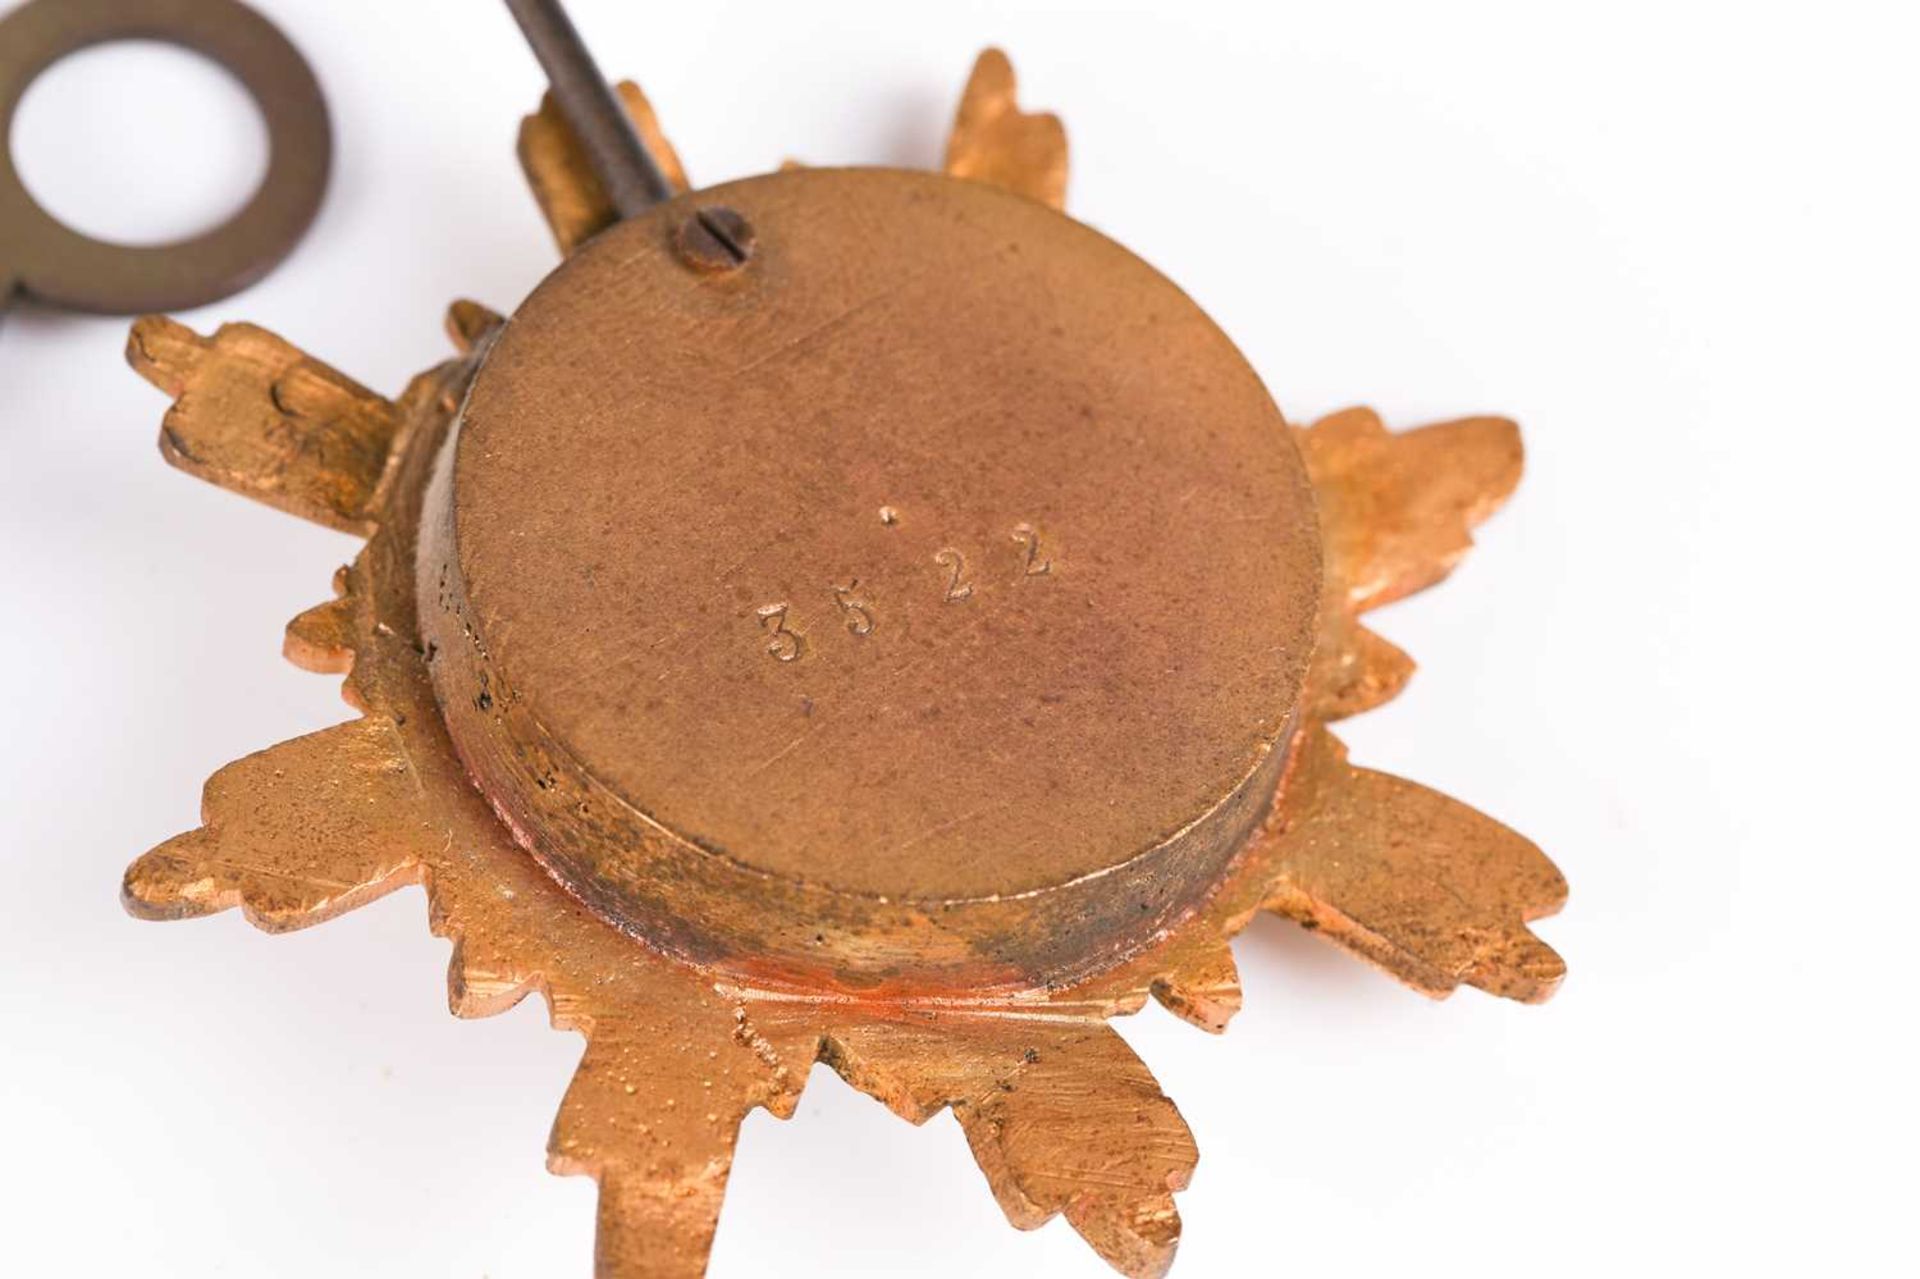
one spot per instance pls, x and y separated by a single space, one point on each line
686 1036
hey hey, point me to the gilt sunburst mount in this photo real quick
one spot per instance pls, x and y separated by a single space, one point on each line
852 616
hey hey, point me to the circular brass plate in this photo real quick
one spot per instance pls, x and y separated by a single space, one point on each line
928 597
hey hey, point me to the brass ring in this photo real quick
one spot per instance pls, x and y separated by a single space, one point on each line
58 265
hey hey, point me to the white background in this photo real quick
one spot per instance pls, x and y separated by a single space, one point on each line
1675 240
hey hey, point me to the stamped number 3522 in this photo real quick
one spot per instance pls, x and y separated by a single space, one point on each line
786 642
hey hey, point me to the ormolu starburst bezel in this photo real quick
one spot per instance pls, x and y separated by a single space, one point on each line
679 1053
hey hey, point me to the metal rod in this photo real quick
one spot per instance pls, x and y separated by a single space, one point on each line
628 173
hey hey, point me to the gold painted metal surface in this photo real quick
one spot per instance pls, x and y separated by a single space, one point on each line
1060 1114
569 195
267 421
994 141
